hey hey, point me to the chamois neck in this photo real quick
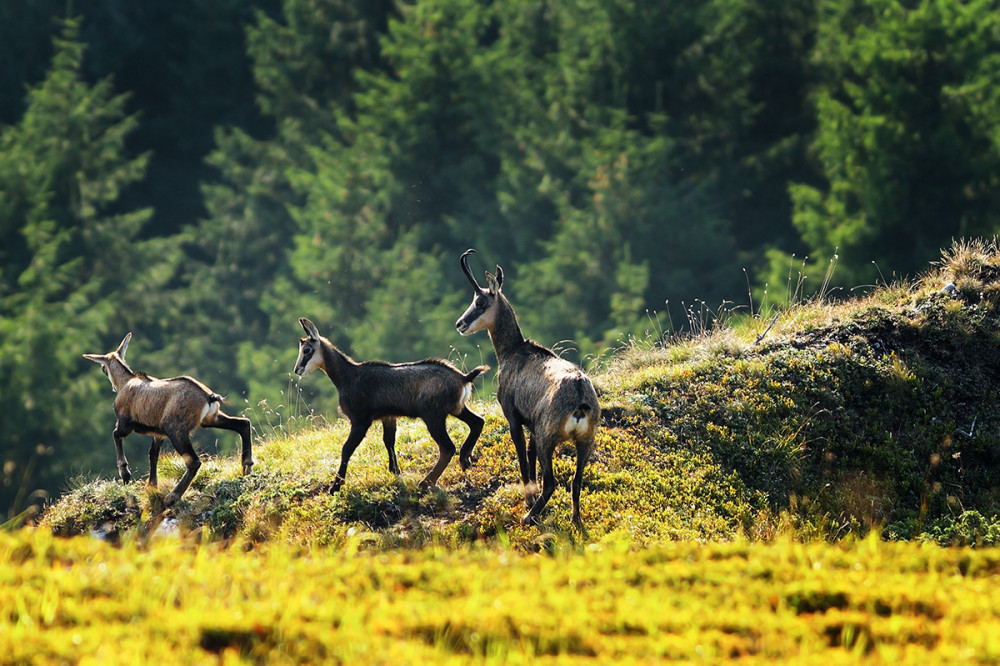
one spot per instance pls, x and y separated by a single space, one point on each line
505 332
119 373
336 363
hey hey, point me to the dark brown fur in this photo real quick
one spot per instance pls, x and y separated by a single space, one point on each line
551 397
376 391
165 409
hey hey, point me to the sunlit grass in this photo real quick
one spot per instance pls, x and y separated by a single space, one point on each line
770 488
869 600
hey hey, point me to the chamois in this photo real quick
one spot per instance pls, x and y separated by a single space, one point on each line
377 391
536 389
165 409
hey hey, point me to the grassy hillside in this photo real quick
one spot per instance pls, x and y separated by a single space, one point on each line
874 412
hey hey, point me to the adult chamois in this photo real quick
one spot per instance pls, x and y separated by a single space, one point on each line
166 409
537 390
377 391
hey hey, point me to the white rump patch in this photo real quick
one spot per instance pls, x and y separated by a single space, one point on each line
209 411
576 426
463 398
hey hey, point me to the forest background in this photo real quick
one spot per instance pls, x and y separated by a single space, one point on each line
204 173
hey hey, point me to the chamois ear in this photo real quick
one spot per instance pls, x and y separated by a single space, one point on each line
493 282
96 358
309 328
124 345
499 277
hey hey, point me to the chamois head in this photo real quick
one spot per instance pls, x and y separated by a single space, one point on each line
482 312
310 356
112 363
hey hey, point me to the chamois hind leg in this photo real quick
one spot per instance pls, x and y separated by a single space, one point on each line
475 423
358 430
583 449
389 439
154 459
239 425
439 431
122 430
182 443
545 451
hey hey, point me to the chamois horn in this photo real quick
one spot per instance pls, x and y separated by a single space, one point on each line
468 271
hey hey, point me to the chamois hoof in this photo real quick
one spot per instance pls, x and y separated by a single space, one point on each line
170 499
125 476
335 486
465 463
247 468
529 520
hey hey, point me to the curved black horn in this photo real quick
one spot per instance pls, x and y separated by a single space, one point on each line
468 272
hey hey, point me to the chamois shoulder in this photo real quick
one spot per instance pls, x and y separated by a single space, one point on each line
538 349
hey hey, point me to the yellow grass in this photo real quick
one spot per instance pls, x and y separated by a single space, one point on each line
174 601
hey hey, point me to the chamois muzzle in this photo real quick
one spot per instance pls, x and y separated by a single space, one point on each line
306 351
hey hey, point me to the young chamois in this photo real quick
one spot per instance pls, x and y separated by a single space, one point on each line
537 390
166 409
377 391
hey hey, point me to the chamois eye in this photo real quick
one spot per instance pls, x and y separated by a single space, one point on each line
480 301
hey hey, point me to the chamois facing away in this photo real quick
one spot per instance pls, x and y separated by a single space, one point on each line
377 391
537 390
166 409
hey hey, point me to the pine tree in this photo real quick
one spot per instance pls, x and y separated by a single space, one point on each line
76 272
907 162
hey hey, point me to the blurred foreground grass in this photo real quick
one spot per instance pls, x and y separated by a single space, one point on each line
82 600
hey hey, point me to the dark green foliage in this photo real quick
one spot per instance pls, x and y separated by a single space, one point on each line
213 171
70 262
903 141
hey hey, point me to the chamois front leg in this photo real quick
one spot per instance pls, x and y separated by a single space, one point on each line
389 439
475 423
154 459
122 430
358 430
439 432
532 458
527 474
182 443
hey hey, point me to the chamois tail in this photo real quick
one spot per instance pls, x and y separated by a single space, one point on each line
469 378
